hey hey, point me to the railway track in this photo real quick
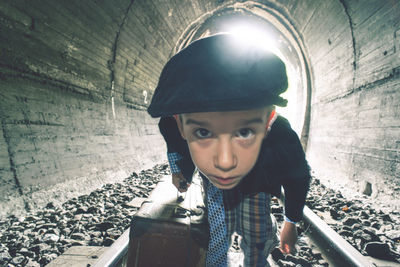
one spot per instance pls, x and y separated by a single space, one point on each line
333 248
80 231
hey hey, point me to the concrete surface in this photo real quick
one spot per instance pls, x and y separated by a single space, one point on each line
78 256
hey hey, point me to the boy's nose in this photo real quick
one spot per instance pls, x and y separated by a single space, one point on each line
225 158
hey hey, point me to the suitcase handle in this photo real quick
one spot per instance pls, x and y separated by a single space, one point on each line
180 212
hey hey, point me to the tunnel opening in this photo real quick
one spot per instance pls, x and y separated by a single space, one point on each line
264 24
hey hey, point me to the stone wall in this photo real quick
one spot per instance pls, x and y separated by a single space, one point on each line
355 123
72 83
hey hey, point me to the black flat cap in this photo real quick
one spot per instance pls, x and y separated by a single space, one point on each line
219 73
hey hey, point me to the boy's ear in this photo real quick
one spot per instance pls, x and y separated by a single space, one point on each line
179 124
270 114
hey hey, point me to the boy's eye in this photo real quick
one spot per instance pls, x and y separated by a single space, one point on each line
202 133
245 133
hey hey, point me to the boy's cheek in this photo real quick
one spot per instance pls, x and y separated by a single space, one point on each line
198 155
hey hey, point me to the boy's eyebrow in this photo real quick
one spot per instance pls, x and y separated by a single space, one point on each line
244 122
250 121
200 123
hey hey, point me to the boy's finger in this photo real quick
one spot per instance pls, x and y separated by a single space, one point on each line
179 187
284 248
185 188
182 190
182 184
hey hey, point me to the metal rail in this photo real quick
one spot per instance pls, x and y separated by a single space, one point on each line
347 252
116 254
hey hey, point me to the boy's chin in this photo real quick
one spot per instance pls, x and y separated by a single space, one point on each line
224 187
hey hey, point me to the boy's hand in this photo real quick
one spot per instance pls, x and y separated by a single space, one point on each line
180 182
288 238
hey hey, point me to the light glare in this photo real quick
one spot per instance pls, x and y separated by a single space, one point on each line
250 35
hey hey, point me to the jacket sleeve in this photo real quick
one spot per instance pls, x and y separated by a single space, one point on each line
295 183
176 144
289 166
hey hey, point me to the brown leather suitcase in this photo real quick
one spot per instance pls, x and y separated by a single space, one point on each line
169 231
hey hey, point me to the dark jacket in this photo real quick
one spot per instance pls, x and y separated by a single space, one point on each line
281 162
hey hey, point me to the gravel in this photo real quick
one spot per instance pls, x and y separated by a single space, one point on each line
373 232
99 218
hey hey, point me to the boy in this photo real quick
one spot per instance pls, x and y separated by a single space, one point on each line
216 101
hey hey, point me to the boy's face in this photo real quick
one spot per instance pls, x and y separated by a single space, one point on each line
224 145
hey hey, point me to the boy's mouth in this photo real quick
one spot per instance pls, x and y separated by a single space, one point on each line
224 180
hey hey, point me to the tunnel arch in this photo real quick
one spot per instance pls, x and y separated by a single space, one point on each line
291 46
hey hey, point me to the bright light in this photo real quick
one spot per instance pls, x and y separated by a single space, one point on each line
250 35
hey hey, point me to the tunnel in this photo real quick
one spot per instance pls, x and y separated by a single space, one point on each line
76 78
